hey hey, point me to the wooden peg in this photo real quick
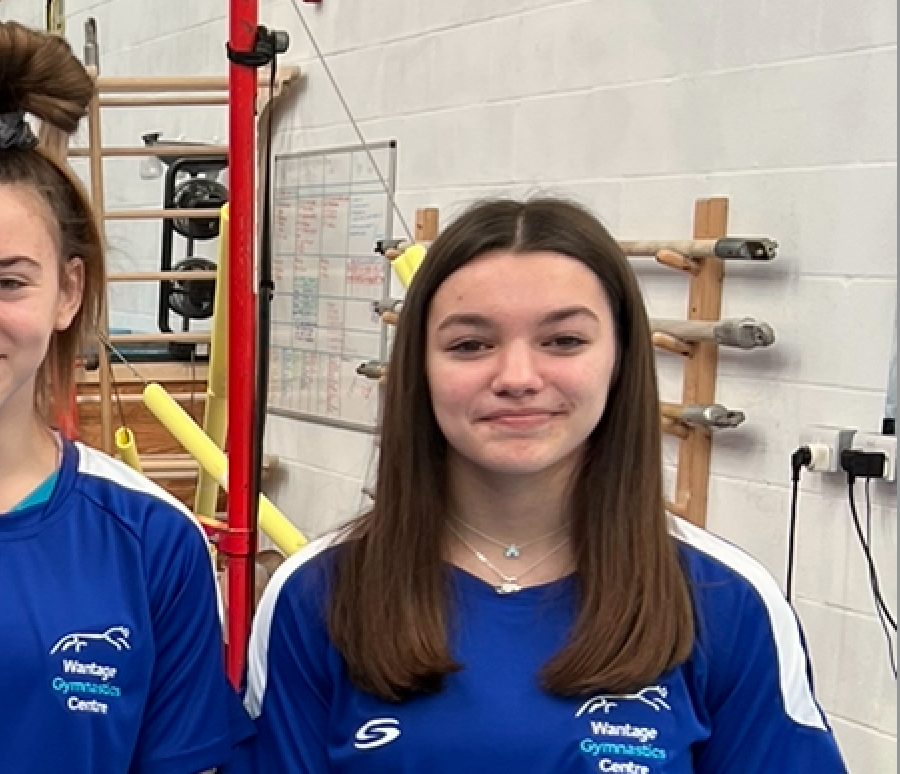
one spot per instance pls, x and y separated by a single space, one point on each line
678 261
679 509
672 344
650 247
674 427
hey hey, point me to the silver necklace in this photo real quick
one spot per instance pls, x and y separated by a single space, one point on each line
509 584
511 550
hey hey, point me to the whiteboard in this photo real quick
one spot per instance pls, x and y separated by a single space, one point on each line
329 209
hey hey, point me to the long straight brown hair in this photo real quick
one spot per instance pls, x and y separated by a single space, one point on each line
390 608
40 75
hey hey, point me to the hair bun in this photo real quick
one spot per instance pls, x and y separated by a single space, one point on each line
40 75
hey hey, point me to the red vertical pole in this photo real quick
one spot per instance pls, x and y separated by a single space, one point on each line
243 21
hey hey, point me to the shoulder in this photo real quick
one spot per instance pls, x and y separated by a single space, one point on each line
296 600
729 585
172 546
130 498
744 622
301 583
709 559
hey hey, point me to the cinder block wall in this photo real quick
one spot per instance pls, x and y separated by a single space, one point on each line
636 108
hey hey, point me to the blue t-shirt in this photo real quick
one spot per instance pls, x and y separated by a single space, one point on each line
742 703
110 640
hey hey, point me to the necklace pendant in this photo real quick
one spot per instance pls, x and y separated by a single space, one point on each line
512 551
508 587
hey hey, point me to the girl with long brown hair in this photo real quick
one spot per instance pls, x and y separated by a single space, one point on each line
516 600
110 640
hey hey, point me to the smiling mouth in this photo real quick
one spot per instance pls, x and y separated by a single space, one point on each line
522 420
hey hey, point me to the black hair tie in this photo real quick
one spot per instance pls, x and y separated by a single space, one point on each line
15 133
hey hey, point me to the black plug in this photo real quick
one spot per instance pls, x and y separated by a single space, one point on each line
801 458
863 464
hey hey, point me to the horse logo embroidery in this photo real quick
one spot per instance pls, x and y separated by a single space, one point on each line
116 636
653 696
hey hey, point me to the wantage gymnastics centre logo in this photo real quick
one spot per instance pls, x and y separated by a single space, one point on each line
90 685
653 696
115 636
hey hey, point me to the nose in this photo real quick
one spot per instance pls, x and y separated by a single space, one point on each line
518 371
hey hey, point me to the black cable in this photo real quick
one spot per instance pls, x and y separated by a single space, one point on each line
792 531
884 614
881 605
873 572
800 459
267 45
881 609
265 293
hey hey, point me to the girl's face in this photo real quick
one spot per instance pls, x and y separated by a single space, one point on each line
36 296
521 351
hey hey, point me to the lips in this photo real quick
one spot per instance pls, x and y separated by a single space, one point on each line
519 419
523 415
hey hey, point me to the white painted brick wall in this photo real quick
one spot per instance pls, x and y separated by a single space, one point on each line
637 108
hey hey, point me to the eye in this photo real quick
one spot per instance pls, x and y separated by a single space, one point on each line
566 342
468 347
11 283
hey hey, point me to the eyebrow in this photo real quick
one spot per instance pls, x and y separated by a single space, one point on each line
561 315
481 322
13 260
467 320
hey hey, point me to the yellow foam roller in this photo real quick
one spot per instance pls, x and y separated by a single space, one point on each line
127 449
213 460
408 263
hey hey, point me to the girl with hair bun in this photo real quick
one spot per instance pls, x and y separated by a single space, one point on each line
110 641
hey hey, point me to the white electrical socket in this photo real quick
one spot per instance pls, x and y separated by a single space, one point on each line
876 442
826 442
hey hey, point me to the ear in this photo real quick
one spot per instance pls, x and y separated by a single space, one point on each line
71 291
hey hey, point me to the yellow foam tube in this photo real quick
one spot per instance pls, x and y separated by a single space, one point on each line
408 263
127 449
212 459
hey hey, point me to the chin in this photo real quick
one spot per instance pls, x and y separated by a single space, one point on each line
514 458
519 466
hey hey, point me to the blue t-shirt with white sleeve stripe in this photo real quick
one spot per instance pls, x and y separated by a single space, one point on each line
110 636
742 704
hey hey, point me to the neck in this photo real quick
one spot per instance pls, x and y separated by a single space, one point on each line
509 508
524 511
28 455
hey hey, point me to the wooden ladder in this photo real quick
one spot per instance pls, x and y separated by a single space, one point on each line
161 456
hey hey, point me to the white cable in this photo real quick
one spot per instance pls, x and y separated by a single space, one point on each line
359 134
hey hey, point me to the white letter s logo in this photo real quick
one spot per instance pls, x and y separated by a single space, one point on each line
377 733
